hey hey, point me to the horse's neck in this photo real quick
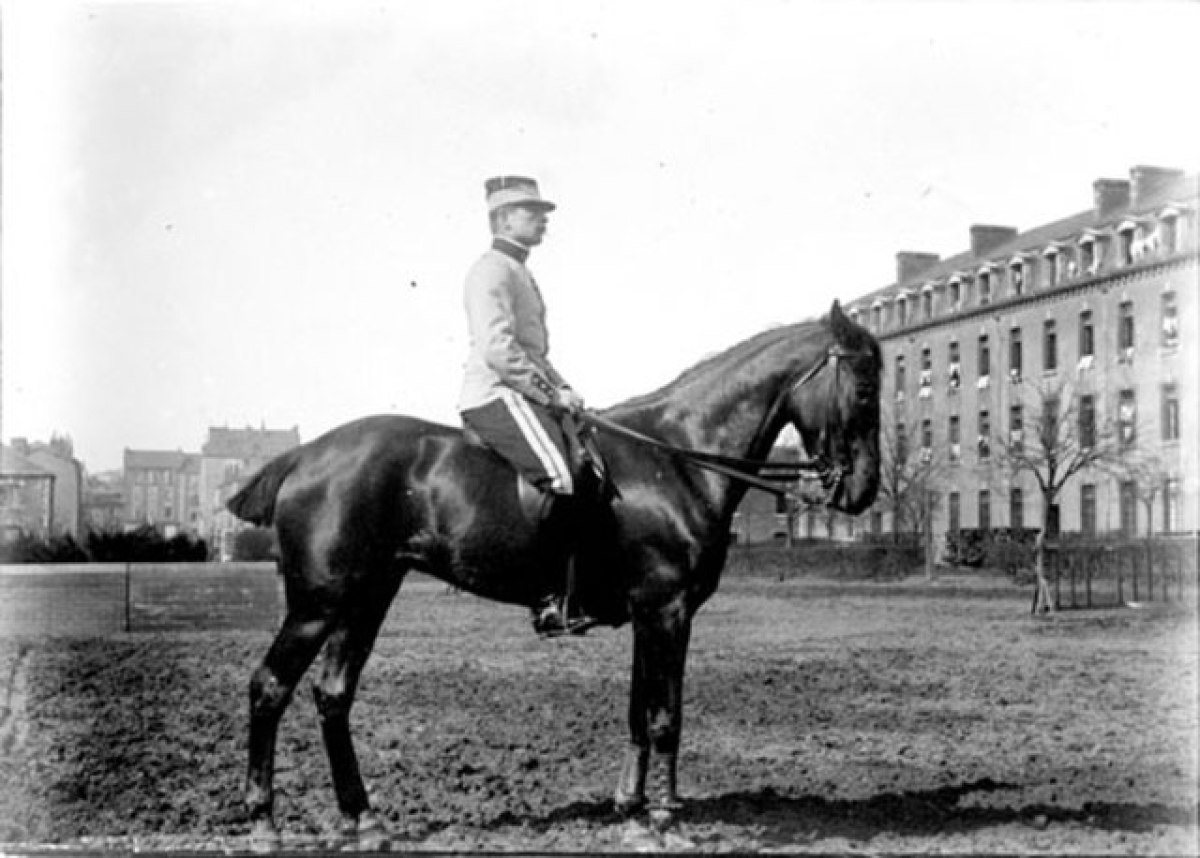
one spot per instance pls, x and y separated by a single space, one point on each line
730 410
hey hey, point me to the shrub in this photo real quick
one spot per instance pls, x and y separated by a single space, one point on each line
144 545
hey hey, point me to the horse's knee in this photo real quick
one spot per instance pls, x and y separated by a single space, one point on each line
267 694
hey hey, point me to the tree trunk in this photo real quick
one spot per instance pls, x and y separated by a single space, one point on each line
1043 600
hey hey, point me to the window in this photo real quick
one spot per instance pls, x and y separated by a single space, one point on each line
1050 418
927 303
781 504
876 521
955 293
900 376
901 312
1170 320
1170 412
1016 508
1049 346
1087 338
954 508
926 439
985 286
1087 509
1168 233
926 372
985 359
984 441
877 317
1016 277
953 438
1087 421
1125 329
1171 505
1127 418
1016 433
1127 503
1014 354
901 441
985 509
1051 267
1126 236
1089 254
954 373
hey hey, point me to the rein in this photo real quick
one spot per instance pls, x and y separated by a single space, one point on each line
764 475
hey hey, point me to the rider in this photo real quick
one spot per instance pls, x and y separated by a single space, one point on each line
512 396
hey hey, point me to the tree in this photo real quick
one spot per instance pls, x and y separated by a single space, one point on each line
909 480
1065 439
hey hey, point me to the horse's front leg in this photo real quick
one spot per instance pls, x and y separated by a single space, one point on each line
660 644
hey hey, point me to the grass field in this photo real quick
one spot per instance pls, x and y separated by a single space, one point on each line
818 717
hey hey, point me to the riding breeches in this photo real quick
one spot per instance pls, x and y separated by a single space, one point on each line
528 436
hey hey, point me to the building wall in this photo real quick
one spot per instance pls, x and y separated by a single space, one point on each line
1158 357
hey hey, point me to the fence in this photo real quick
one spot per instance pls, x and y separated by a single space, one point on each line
102 598
1115 574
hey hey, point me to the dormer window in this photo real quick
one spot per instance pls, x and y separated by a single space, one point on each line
955 287
984 279
901 311
1168 229
1016 276
1090 253
1054 260
1129 243
927 302
877 316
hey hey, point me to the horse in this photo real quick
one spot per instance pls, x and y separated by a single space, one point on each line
359 507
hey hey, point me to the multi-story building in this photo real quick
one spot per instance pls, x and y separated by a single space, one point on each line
57 457
1100 309
226 459
26 496
162 488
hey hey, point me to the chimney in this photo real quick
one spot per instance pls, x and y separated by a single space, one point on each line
1109 196
1149 182
985 239
909 264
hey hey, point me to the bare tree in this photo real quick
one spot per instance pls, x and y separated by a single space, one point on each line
909 479
1064 436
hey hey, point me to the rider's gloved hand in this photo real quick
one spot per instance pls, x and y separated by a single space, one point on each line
567 400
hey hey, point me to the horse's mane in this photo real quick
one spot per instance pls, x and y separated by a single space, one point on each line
725 363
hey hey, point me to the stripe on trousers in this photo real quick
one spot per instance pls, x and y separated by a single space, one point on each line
535 433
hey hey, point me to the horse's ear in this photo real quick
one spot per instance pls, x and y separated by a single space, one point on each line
839 322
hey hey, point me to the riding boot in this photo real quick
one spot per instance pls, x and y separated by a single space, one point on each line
558 612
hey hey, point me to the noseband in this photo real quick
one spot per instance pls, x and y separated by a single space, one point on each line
829 472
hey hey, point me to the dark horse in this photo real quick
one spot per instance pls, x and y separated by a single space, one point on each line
365 503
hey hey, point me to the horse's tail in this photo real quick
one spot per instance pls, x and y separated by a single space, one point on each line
255 501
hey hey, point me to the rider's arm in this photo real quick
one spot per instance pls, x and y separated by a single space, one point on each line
492 322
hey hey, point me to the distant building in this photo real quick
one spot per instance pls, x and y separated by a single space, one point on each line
65 503
162 489
1101 305
26 496
227 459
104 502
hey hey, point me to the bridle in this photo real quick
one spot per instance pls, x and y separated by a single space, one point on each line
772 477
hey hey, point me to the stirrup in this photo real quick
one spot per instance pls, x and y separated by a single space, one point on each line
551 619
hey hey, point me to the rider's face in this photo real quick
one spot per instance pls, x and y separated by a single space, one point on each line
526 224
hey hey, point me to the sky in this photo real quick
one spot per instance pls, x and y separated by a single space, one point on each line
261 214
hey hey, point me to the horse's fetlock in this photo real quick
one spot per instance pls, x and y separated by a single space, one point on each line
331 705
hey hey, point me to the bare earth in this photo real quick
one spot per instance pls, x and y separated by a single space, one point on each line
819 717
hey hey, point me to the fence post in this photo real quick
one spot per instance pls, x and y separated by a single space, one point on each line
128 596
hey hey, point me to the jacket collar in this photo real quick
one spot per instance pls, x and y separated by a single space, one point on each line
511 249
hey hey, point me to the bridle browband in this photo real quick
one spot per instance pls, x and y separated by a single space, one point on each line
764 475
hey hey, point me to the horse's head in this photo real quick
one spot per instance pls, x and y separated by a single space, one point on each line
834 406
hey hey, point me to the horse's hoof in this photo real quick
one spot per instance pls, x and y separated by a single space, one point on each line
627 804
662 816
372 834
264 838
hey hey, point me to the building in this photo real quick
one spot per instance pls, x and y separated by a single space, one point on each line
1098 308
227 458
162 489
65 501
104 501
26 496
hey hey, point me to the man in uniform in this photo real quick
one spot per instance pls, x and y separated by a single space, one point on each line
512 396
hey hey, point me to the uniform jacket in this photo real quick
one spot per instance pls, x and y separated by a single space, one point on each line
507 322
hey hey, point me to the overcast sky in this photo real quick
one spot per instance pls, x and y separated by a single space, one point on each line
261 214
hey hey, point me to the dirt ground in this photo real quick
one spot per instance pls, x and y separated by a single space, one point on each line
819 717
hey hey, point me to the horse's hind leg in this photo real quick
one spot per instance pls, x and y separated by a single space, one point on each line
345 656
271 687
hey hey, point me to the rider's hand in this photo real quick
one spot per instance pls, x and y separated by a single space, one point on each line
568 400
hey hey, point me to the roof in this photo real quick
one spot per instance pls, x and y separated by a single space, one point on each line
175 460
13 464
249 443
1038 238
